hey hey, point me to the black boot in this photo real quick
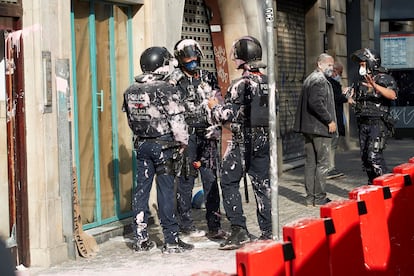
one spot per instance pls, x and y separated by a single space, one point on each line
266 235
178 246
217 234
238 237
146 245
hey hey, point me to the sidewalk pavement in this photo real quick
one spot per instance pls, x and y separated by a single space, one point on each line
117 258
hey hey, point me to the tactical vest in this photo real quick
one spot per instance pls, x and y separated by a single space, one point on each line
256 101
369 103
144 104
196 93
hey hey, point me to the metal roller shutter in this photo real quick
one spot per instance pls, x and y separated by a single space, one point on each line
196 26
291 48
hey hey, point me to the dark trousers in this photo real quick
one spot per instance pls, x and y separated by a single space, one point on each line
317 153
372 141
205 150
152 158
7 266
256 160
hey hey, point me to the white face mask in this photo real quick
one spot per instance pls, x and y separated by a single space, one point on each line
362 70
337 78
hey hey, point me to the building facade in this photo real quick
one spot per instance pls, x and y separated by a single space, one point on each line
65 67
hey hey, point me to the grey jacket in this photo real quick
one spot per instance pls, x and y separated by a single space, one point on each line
316 107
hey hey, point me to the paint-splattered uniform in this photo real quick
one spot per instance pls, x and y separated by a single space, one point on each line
202 146
156 116
372 111
246 108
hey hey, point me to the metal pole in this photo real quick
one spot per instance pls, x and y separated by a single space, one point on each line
269 16
377 25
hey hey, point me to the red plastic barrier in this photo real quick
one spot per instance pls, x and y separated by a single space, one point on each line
308 237
400 227
397 222
411 160
390 179
345 245
374 228
262 258
406 168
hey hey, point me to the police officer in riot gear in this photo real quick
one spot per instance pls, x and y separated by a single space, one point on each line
374 91
246 108
201 155
155 114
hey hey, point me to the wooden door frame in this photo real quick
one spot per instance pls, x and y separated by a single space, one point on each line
11 20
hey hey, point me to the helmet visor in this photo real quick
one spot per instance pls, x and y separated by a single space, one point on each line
189 51
188 48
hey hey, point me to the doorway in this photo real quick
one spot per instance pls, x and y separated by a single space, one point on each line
103 153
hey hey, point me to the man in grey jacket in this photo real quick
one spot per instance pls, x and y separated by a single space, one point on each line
316 120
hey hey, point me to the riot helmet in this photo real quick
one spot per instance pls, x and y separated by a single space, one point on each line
155 60
188 54
247 49
370 56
